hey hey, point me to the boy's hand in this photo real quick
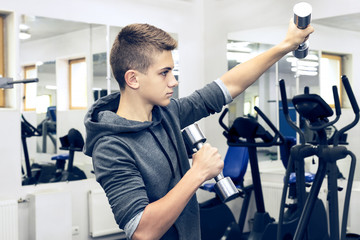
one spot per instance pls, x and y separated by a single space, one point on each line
296 36
207 162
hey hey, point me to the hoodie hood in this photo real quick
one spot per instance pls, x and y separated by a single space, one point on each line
102 120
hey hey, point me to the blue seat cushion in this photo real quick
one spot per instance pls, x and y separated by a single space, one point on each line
210 187
64 156
235 165
309 177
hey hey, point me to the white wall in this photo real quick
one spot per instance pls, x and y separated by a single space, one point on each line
202 27
10 149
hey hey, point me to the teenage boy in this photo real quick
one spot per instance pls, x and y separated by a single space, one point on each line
135 138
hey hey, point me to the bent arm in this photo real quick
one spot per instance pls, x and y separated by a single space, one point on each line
243 75
160 215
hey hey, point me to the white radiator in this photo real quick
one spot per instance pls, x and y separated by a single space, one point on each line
50 215
9 220
272 196
101 218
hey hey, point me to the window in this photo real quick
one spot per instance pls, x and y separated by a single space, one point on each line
330 76
247 108
30 89
42 103
78 84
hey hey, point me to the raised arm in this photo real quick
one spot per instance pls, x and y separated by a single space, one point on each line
243 75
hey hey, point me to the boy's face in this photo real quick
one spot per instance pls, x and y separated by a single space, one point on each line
157 86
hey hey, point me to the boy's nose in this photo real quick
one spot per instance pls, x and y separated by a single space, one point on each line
173 82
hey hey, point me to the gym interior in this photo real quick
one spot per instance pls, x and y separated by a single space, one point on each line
45 44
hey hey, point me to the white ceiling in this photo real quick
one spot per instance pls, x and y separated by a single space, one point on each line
41 27
347 22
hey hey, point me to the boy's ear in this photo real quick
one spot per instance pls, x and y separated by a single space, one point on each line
131 79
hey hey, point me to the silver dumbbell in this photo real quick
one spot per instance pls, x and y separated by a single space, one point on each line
302 18
224 186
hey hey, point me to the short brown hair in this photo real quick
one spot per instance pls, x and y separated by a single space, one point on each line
133 49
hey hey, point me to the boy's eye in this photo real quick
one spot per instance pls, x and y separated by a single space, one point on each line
164 73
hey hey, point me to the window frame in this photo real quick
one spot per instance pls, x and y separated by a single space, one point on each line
340 70
26 69
71 62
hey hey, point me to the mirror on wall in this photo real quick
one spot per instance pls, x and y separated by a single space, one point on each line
237 53
47 49
103 79
297 73
46 107
50 54
319 71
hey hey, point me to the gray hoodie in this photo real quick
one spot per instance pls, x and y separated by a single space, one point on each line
137 163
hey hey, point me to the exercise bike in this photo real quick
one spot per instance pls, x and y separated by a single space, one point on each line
316 112
72 142
46 173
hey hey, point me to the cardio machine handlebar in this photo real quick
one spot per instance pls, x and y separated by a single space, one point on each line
350 94
268 140
354 106
336 101
286 111
271 125
283 97
221 119
28 129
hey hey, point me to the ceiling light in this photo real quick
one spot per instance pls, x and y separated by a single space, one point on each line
238 46
310 57
305 68
24 27
239 57
24 35
308 63
51 87
305 63
302 72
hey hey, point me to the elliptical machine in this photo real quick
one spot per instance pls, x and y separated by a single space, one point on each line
316 112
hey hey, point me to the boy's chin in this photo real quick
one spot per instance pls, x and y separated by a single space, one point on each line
164 103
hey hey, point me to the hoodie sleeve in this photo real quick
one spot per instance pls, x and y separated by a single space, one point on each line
203 102
120 178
